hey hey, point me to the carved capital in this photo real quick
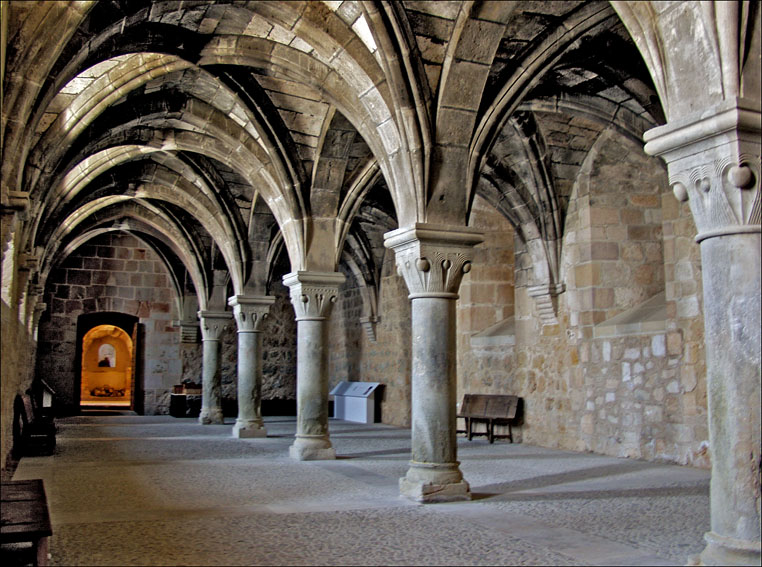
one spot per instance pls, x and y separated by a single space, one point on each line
432 258
313 293
714 164
250 311
213 324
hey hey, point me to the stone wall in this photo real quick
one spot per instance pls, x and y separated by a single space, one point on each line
485 310
279 348
608 377
111 272
387 359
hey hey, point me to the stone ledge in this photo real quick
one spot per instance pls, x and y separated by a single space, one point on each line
502 333
647 318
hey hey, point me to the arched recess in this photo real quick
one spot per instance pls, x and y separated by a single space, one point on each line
121 330
107 374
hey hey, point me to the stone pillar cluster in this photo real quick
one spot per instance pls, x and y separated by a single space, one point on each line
432 260
312 295
714 164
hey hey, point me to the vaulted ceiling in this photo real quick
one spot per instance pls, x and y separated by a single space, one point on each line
226 134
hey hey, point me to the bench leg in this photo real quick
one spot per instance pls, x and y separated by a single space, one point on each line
491 431
41 552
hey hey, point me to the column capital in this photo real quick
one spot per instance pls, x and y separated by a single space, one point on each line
713 159
213 324
313 293
250 311
433 258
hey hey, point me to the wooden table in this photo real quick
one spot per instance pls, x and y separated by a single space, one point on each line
25 516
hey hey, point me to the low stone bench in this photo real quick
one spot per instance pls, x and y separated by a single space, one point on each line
490 409
25 517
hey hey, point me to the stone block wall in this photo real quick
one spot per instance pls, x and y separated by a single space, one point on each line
487 297
279 348
387 359
620 392
111 272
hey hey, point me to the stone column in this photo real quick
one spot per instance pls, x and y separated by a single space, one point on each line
714 164
250 312
313 295
213 323
432 260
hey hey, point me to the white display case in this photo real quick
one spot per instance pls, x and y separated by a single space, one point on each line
355 401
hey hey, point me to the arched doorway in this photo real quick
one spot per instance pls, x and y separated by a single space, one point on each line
107 373
108 361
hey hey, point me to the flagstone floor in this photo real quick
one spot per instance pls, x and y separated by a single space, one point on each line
156 490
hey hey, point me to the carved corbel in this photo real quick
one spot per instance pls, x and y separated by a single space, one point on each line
16 202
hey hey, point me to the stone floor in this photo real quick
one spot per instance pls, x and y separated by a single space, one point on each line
129 490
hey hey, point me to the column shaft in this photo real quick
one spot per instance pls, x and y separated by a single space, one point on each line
250 313
213 324
312 295
433 260
713 158
433 380
731 277
211 393
249 422
312 382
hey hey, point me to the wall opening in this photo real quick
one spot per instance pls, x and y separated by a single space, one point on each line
108 364
107 376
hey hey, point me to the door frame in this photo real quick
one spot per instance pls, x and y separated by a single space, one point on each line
130 324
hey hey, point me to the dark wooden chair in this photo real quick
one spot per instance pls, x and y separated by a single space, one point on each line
33 433
490 409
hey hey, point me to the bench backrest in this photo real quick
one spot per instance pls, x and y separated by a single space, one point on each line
494 406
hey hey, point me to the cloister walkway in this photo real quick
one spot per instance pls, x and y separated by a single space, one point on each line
131 490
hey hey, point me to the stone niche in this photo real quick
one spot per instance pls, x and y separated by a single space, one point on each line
106 366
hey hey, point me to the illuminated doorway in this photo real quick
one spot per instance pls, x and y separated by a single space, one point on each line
107 368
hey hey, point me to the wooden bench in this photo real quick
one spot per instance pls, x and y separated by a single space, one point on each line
25 516
491 409
33 433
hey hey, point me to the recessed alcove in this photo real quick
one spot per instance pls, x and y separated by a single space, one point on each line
106 367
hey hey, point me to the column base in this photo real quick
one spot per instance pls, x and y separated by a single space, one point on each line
248 429
722 550
434 482
316 448
211 417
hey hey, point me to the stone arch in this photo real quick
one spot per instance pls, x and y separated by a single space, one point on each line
136 222
519 84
